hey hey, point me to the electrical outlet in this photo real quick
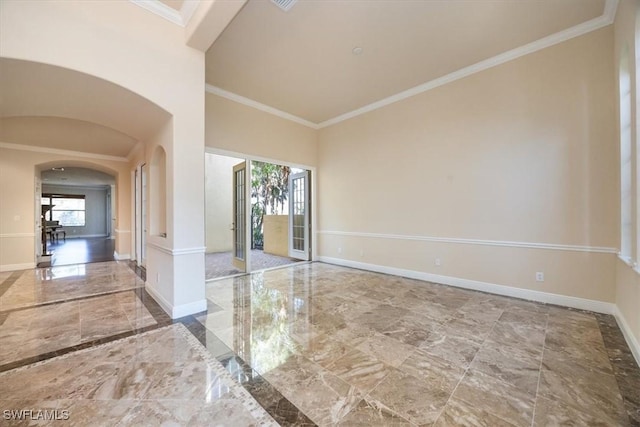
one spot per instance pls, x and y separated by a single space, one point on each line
438 261
539 276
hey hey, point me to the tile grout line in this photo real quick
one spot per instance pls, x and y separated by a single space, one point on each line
10 281
467 369
242 363
368 394
544 342
75 348
80 298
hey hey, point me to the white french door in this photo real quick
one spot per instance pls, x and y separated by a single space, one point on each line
299 216
240 190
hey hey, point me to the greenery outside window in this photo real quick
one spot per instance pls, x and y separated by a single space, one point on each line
68 209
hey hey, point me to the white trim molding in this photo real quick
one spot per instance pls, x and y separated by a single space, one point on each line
37 149
9 235
628 335
15 267
259 106
177 311
122 231
121 257
85 236
601 21
181 17
187 10
176 252
509 291
586 27
162 10
528 245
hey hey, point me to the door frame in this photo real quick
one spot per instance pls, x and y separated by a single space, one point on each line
244 264
138 208
297 253
313 200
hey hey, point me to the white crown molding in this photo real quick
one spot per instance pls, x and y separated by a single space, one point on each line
528 245
603 20
610 9
187 10
492 288
586 27
37 149
14 235
258 106
162 10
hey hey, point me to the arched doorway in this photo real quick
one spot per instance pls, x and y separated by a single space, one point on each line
78 214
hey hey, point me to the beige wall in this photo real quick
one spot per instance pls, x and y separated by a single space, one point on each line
18 219
240 129
219 201
276 234
628 279
521 152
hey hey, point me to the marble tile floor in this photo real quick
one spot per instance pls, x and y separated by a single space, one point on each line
81 323
349 347
28 288
316 344
30 332
161 377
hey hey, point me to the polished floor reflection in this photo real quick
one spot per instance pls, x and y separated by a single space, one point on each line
310 344
358 348
28 288
76 250
161 377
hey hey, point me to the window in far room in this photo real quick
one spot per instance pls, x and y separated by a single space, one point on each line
68 210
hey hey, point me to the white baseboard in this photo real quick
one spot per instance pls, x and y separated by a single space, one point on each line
628 335
177 311
121 257
15 267
84 236
527 294
190 308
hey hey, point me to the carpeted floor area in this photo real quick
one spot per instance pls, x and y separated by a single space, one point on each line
219 264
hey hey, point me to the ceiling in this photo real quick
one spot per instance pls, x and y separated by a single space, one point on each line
72 111
65 134
301 61
76 176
